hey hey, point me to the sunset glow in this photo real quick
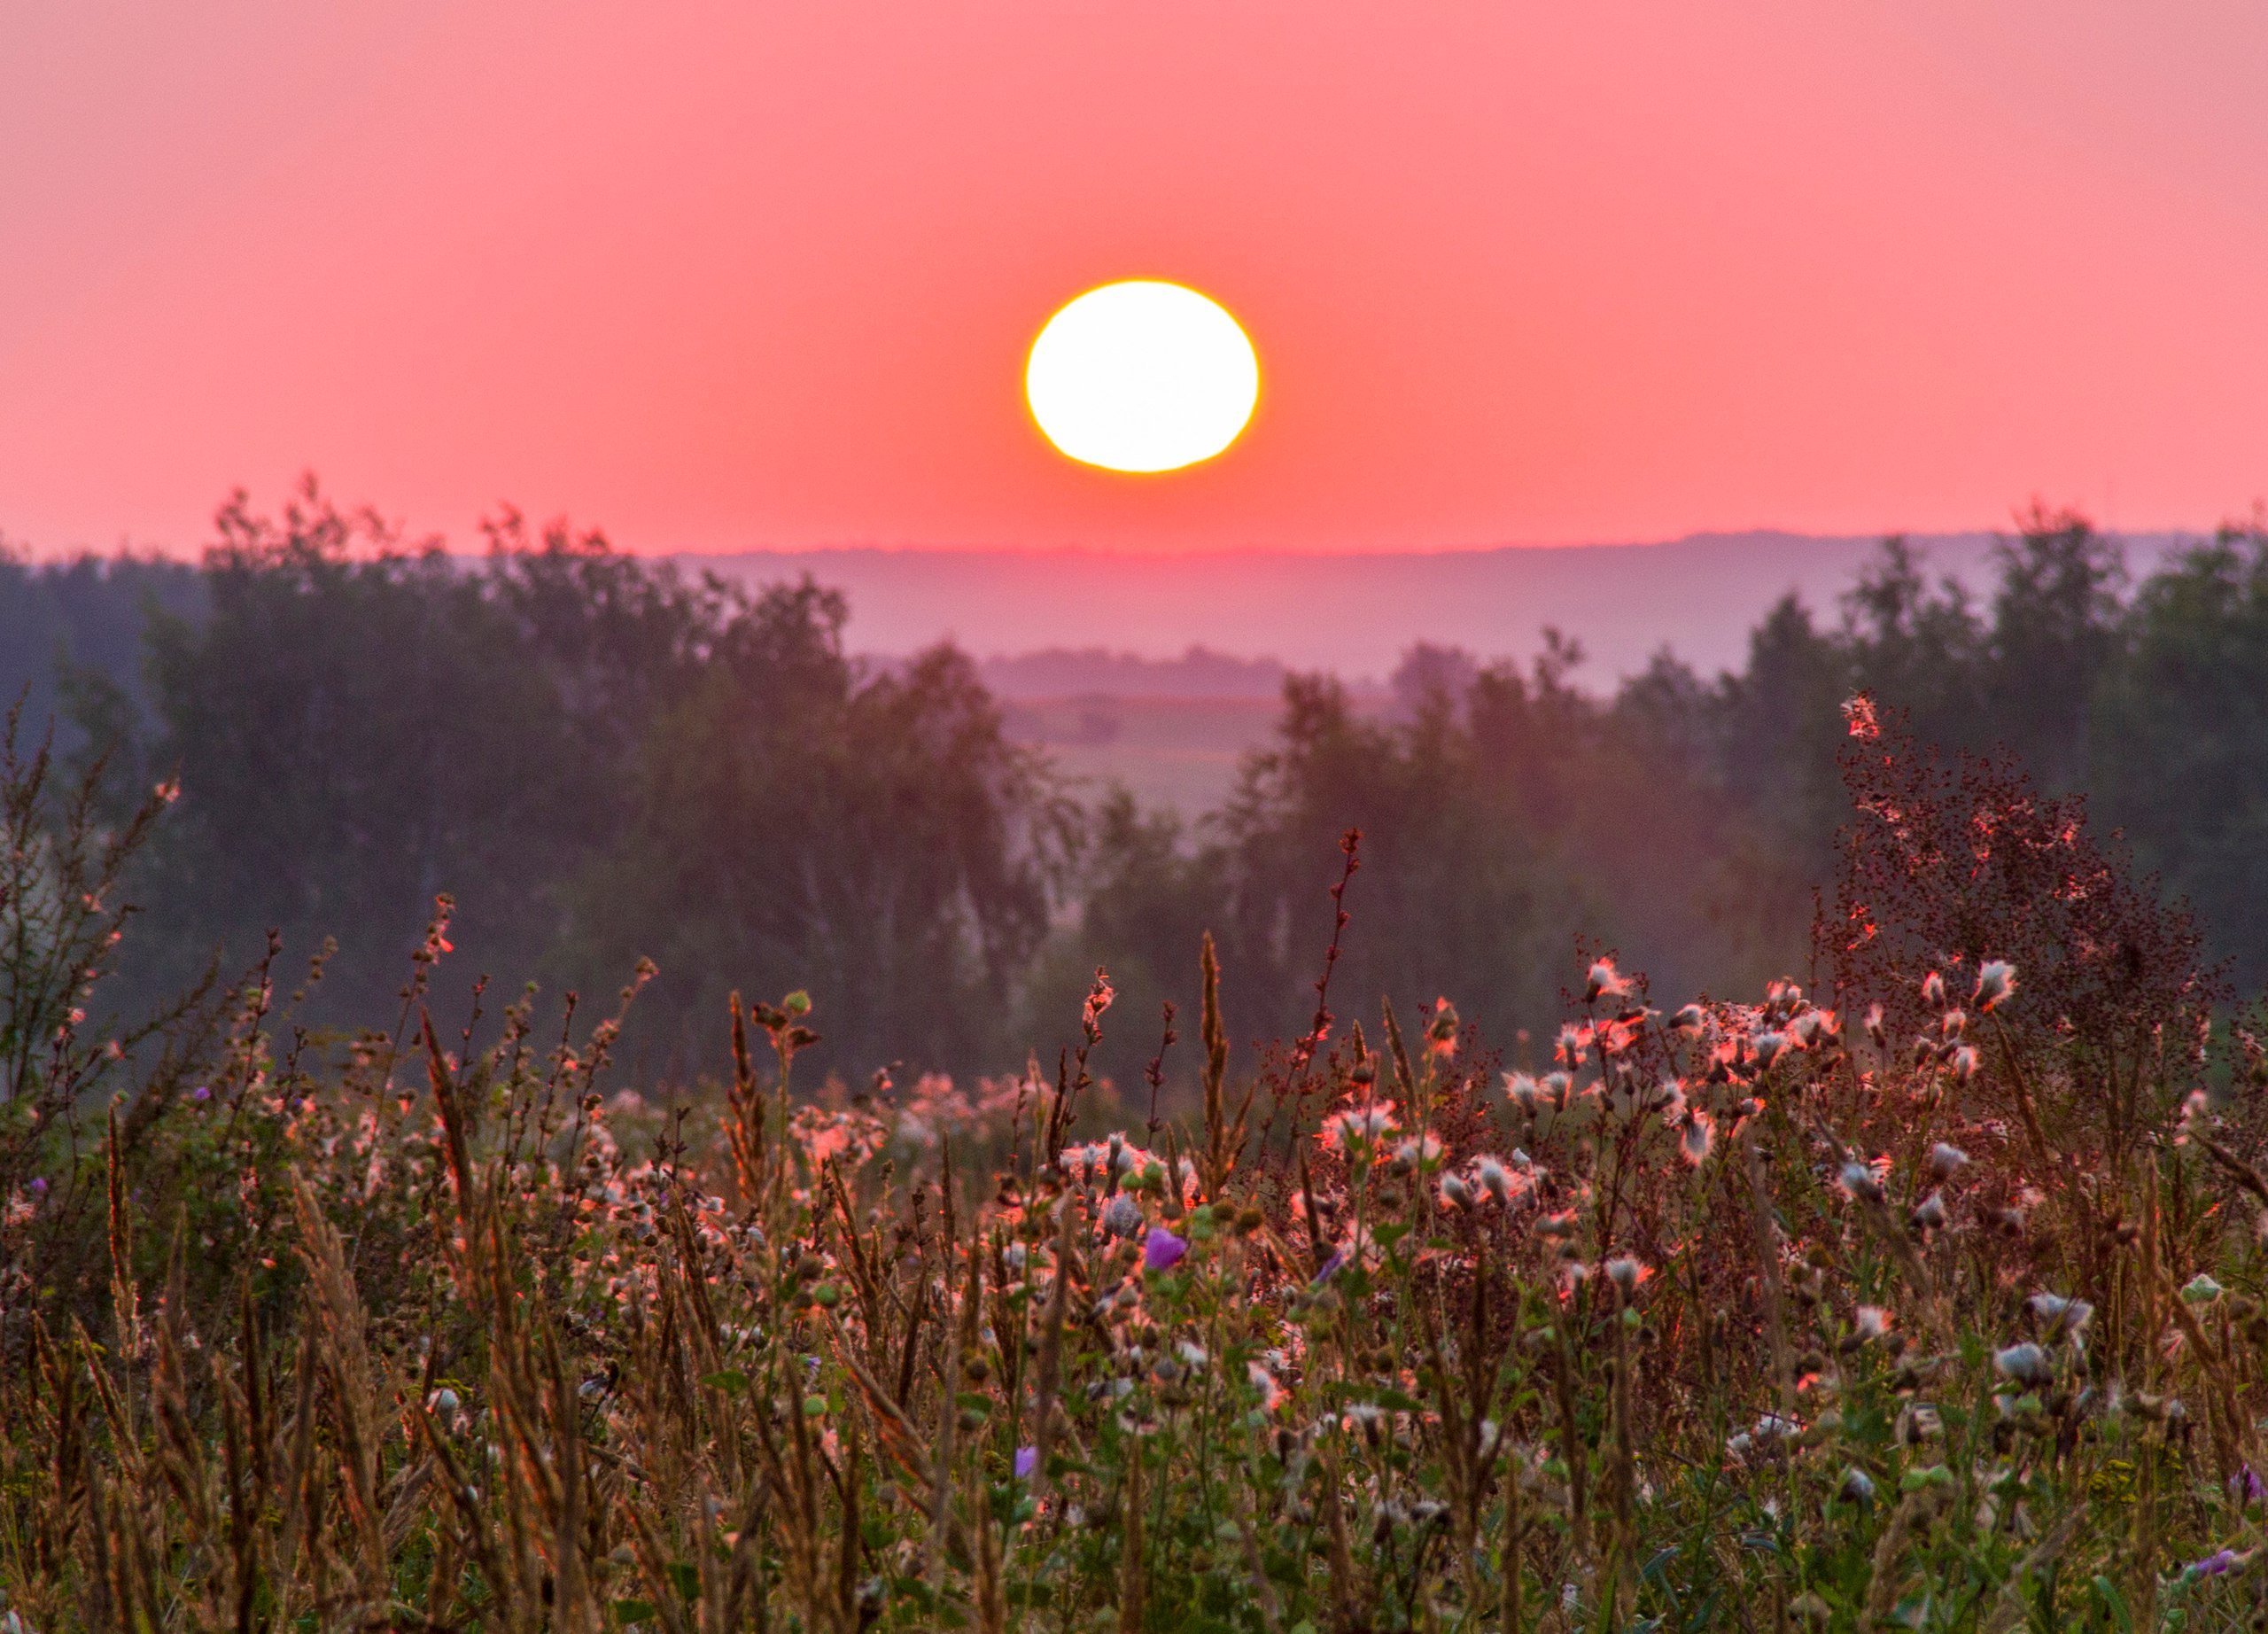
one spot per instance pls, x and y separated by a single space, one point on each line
1142 375
722 278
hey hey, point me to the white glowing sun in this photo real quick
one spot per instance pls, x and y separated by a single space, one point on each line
1142 375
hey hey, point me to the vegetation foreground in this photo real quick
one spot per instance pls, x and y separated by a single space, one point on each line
1927 1299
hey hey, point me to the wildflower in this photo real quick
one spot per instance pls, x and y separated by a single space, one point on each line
1357 1129
2026 1364
2218 1564
1422 1154
1933 990
1858 1486
1099 998
1945 1160
1605 982
1929 1213
1995 980
2249 1487
1161 1250
1456 1192
1860 717
1917 1422
1953 1022
1440 1029
1123 1216
1687 1023
1493 1178
1965 1063
1329 1268
1858 1181
1871 1321
2060 1314
1767 1047
2200 1290
1876 1030
1524 1092
1626 1273
1772 1429
1555 1225
1026 1461
1696 1131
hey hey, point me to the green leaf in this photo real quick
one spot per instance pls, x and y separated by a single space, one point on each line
634 1611
732 1381
2107 1592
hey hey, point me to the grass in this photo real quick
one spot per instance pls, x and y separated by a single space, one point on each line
1937 1307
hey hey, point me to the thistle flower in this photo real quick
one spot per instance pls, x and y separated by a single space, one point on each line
1871 1322
1856 1181
1772 1429
1929 1213
1945 1160
1026 1461
1965 1063
1933 990
1357 1129
1876 1031
2057 1313
1697 1133
1688 1022
1767 1047
1605 982
2027 1364
1422 1154
1524 1092
1858 1487
1456 1192
1626 1273
1161 1250
1493 1178
1122 1216
1996 980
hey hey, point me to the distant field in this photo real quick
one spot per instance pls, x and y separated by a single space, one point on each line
1176 752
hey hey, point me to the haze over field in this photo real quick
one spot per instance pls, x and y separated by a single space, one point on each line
1350 613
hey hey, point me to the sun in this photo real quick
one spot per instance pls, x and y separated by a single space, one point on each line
1142 375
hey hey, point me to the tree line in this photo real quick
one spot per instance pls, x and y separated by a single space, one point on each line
601 760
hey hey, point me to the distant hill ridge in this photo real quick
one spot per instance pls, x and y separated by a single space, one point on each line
1153 624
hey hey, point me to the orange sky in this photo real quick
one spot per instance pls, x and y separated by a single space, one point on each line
763 274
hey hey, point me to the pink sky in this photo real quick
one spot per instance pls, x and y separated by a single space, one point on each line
757 274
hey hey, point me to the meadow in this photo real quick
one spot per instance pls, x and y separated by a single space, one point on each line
1925 1294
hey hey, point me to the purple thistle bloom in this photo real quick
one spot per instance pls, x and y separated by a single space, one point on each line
2251 1489
39 1185
201 1093
1330 1267
1161 1250
1026 1460
2217 1564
